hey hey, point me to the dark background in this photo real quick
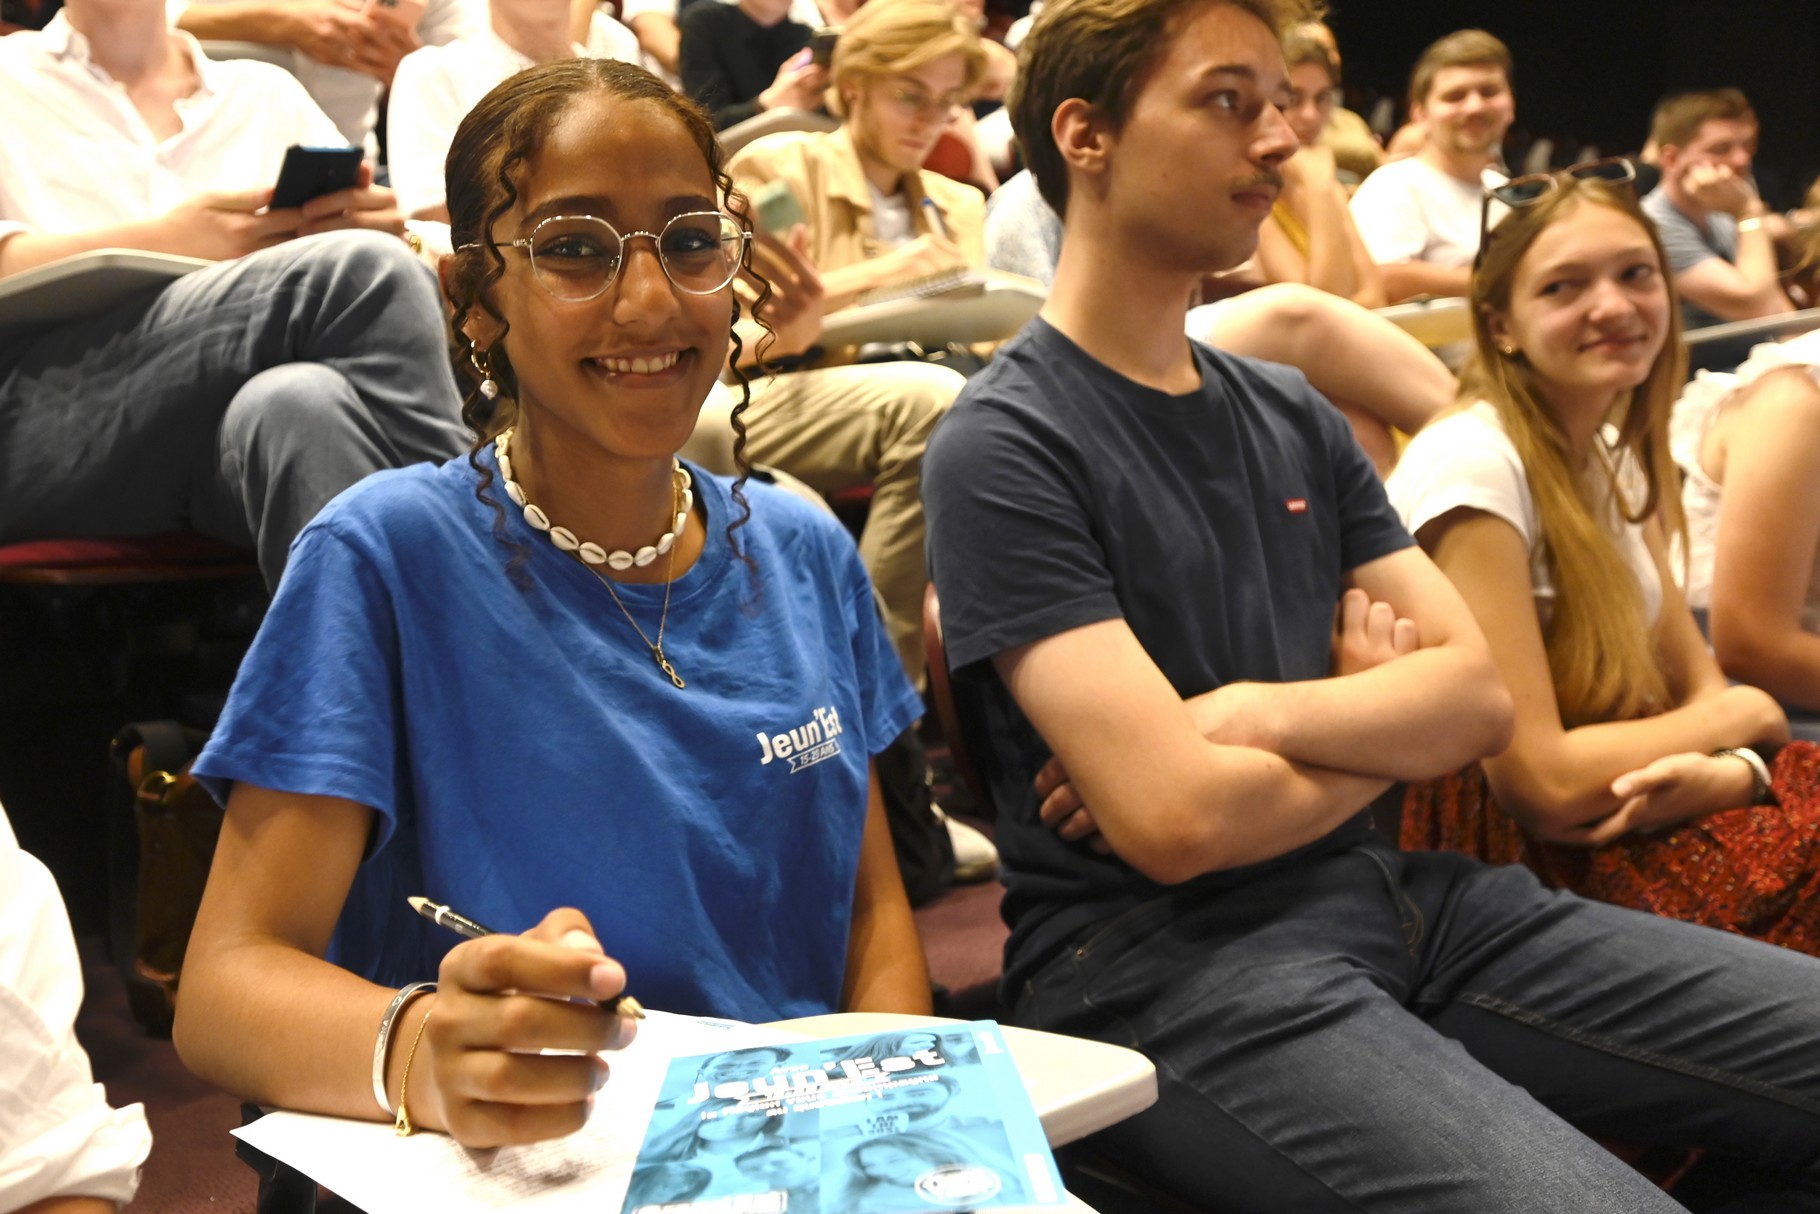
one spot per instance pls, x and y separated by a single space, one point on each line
1591 72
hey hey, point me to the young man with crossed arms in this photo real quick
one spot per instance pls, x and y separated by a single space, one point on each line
1140 544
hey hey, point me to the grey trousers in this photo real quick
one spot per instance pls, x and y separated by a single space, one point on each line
236 402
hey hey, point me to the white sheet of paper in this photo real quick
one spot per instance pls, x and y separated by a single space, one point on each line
369 1165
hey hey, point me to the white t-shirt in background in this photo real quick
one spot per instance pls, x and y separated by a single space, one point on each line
1411 211
436 86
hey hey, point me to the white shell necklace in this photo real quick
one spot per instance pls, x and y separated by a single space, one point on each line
591 555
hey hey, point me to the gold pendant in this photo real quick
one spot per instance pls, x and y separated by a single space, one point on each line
663 662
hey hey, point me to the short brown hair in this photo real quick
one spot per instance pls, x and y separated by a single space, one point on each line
1102 52
890 36
1462 48
1678 119
1300 48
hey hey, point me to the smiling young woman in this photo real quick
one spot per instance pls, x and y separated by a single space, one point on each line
567 671
1632 775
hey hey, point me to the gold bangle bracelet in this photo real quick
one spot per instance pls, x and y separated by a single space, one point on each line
403 1127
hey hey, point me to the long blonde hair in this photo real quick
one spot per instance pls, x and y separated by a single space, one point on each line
1601 650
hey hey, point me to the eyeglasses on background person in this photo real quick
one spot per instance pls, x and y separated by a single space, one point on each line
919 104
577 257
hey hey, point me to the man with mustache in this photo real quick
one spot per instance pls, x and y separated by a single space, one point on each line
1419 216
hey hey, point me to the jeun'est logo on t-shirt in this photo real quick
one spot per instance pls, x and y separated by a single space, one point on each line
806 745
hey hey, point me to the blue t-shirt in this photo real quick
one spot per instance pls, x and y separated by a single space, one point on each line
1218 524
521 750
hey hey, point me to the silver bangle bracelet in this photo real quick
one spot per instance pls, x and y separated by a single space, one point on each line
386 1021
1759 772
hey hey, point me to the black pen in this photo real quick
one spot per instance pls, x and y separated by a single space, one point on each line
461 925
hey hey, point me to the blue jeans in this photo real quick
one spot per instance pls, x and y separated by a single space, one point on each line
1378 1030
235 402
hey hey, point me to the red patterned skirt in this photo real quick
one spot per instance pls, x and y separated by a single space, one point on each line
1754 871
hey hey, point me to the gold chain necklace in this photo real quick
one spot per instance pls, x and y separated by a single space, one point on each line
656 647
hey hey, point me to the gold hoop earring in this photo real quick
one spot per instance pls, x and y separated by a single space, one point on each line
477 356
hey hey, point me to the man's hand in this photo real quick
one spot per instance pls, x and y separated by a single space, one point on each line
1062 809
1368 634
794 310
1669 791
1716 188
362 205
927 254
329 31
223 226
799 84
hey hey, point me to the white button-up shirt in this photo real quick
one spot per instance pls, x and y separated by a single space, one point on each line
78 155
58 1137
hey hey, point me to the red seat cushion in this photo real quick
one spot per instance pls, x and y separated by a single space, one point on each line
168 556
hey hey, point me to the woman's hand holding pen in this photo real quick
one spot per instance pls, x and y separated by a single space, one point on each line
500 1000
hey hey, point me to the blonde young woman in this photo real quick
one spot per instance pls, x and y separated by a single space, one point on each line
1637 774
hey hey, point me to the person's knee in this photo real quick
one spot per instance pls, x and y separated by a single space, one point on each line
362 264
301 406
924 392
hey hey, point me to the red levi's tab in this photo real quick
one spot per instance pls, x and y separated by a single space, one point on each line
1296 505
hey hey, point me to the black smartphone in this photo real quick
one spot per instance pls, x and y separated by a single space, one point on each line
312 172
821 46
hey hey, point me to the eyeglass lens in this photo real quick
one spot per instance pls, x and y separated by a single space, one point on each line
576 257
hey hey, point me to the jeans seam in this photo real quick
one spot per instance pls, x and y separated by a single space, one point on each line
1694 1070
1413 924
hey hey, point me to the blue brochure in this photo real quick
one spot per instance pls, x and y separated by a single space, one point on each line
933 1119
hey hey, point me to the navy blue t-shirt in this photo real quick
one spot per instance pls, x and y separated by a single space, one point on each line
1218 524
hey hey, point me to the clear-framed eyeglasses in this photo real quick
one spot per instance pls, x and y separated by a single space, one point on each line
915 103
577 257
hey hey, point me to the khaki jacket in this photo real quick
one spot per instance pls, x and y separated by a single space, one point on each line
824 173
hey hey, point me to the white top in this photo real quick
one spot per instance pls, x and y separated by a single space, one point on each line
351 98
79 156
1700 403
1409 210
892 223
436 86
58 1137
1466 461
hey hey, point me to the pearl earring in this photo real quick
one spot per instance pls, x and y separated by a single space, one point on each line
488 388
1508 351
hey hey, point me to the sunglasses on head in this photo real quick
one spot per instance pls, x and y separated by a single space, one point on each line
1532 188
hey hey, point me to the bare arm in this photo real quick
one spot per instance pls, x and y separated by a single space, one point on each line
213 226
1769 531
1558 781
885 967
1350 355
264 1016
70 1205
1404 280
1738 292
658 35
1368 280
1312 192
581 16
1423 715
1191 806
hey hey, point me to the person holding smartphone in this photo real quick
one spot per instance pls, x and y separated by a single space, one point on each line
242 397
